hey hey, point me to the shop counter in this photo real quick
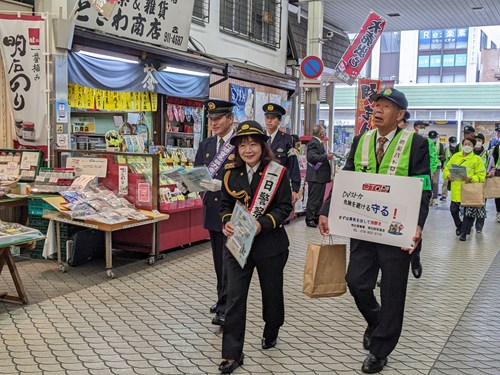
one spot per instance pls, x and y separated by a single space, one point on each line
154 218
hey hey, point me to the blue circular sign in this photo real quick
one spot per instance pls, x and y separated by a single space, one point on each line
312 67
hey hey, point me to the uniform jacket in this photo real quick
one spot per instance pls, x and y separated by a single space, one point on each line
495 155
281 146
418 165
211 200
272 239
316 153
475 170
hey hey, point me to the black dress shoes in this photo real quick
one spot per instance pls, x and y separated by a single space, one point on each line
268 344
227 367
416 269
372 364
219 320
213 308
463 237
458 231
311 224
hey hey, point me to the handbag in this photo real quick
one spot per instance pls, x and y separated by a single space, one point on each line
472 195
492 187
325 270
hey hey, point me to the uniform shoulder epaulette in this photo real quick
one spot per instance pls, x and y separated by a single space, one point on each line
230 166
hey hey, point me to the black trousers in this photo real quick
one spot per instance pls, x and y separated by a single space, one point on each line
270 271
497 204
217 240
464 225
385 319
455 214
314 200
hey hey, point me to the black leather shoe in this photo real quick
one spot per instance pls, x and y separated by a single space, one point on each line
311 224
219 320
367 337
416 269
458 231
227 367
463 237
268 344
372 364
213 308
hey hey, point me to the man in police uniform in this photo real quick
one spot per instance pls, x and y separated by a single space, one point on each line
385 320
282 145
216 148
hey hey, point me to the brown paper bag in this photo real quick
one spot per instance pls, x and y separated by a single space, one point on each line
492 187
472 195
325 270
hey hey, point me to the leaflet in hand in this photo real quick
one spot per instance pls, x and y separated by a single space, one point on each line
458 172
240 243
191 177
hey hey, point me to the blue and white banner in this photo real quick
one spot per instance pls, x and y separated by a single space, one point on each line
243 97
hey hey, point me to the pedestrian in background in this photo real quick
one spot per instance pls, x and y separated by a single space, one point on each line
476 173
255 170
450 150
419 127
441 156
494 170
318 174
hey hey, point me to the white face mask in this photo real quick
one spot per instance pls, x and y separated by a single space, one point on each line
453 144
421 131
479 144
467 149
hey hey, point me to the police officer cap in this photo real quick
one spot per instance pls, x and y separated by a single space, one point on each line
407 116
247 128
433 134
480 136
452 139
216 108
497 127
469 129
393 95
273 109
420 122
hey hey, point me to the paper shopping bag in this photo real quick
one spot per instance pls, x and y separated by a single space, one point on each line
325 270
492 187
472 195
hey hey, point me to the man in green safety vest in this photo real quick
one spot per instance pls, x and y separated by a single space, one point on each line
379 151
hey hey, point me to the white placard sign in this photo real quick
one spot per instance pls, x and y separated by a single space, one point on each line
375 207
164 23
88 166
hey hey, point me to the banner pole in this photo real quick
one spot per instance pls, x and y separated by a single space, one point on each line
45 16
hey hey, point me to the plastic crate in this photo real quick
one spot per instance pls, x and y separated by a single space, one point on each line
37 206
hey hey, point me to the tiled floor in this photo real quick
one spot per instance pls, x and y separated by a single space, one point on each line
155 320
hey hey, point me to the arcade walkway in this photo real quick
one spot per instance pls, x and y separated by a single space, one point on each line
155 320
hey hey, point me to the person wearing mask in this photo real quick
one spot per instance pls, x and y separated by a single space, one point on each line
419 127
262 185
476 173
282 145
318 174
215 152
450 150
479 214
495 140
494 170
441 156
480 150
469 132
385 320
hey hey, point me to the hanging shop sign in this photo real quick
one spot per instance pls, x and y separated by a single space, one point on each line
243 97
164 23
23 52
364 106
360 49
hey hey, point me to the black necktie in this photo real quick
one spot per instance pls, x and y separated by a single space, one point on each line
221 143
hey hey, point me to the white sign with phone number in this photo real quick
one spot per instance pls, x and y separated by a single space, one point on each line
375 207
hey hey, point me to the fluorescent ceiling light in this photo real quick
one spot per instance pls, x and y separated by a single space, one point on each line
107 57
171 69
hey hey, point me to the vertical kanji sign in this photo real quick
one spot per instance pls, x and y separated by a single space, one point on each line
364 106
360 49
22 46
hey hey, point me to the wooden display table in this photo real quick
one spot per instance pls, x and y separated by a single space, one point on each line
108 229
6 259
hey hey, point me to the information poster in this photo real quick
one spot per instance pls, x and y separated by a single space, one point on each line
375 207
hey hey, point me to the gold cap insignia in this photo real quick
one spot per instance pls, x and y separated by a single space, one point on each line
270 107
211 106
388 92
245 127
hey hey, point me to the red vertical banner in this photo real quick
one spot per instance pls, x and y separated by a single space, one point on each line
364 106
360 49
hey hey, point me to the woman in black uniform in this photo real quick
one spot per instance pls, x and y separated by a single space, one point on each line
254 175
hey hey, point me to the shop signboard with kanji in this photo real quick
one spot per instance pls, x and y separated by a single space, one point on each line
349 67
160 22
364 106
375 207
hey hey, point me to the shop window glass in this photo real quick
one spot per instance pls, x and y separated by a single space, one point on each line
201 10
423 78
460 77
434 78
256 20
450 38
424 40
448 78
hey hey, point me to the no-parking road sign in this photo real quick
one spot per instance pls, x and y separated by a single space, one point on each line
311 67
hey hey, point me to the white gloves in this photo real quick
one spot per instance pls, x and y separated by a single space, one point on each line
211 185
183 188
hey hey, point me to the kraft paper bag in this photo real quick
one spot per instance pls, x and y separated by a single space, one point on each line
492 187
325 270
472 195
